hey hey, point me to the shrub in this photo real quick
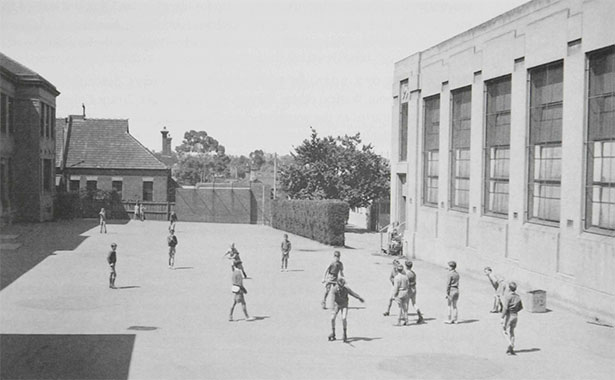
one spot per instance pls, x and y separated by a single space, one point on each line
320 220
67 205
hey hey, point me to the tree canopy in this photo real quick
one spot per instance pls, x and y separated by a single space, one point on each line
336 168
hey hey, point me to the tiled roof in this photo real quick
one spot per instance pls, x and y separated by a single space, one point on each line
106 144
23 73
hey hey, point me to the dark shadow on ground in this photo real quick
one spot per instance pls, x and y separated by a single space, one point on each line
294 270
308 250
40 240
467 321
259 318
356 307
357 230
360 339
348 247
65 356
142 328
128 287
527 350
180 268
601 324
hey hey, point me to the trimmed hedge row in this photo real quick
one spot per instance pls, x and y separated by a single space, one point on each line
321 220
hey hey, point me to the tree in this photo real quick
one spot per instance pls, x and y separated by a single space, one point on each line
336 168
257 159
198 142
201 158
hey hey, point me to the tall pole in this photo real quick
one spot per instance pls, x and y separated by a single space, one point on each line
275 174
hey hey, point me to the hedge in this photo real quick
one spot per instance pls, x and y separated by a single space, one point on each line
321 220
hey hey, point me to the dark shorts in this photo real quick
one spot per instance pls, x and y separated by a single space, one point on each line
453 295
172 251
511 323
239 297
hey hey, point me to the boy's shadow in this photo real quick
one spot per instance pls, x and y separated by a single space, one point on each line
127 287
178 268
467 321
527 350
294 270
256 319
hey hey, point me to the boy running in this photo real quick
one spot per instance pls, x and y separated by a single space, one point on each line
333 271
233 254
286 247
510 307
111 260
340 294
102 215
238 292
172 242
452 292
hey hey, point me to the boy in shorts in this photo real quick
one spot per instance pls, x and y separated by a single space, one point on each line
233 254
511 306
333 271
340 294
499 286
412 291
391 278
286 247
172 242
238 293
102 215
400 294
111 260
452 292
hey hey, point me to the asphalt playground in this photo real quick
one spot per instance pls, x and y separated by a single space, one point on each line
60 320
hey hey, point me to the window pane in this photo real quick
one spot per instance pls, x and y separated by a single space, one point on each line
148 191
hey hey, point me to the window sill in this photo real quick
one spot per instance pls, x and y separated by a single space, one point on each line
541 226
597 235
430 205
495 215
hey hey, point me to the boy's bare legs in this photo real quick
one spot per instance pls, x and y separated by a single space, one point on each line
333 316
344 323
230 318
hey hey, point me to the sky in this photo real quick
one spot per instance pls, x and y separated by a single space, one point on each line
253 74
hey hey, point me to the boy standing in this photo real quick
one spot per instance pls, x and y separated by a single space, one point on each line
333 271
286 247
400 294
412 290
172 242
111 260
452 292
391 278
238 292
511 305
102 215
340 294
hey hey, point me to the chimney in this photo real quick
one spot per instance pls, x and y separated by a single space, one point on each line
166 142
83 106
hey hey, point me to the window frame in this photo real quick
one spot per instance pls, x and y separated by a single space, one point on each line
487 148
144 197
453 160
531 146
588 145
426 154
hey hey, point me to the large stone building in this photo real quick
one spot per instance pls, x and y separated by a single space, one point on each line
27 143
504 150
101 154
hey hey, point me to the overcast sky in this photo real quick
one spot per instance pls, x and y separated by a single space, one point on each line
254 74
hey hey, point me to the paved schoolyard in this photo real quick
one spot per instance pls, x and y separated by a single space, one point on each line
60 320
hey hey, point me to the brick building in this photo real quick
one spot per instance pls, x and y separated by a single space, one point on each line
503 150
27 143
101 154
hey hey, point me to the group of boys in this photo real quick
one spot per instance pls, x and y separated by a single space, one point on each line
403 291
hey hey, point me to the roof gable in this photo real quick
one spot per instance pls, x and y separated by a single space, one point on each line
106 144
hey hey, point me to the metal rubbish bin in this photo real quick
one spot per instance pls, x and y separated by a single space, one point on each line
537 301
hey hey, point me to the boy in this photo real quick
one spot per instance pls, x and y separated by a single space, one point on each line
340 294
238 292
173 221
172 242
233 254
412 290
103 220
333 271
400 294
286 247
391 278
511 305
500 287
111 260
452 292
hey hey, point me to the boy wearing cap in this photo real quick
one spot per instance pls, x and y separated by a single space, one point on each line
340 294
452 292
391 278
111 260
333 271
511 306
412 291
